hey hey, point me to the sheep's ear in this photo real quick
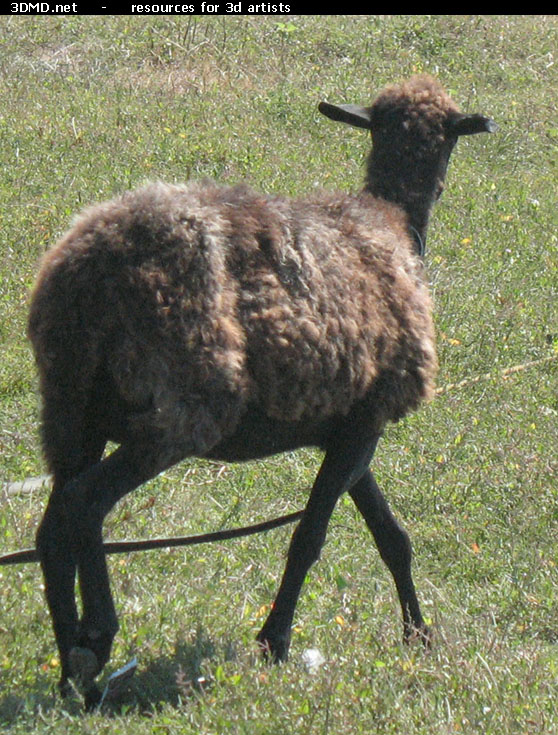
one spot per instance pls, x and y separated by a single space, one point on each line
354 115
471 124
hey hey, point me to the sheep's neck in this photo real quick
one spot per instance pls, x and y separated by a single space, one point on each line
414 189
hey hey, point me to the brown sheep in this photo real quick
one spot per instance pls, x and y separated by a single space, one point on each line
219 322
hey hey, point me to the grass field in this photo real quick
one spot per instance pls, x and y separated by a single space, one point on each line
92 106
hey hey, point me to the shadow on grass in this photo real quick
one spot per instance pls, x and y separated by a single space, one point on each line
25 701
176 679
168 680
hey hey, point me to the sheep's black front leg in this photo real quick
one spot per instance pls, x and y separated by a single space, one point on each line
343 465
395 549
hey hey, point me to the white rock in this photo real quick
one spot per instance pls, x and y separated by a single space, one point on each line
312 660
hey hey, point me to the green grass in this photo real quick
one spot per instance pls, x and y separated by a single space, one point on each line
92 106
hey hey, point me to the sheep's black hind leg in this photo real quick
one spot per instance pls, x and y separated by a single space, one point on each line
59 570
343 465
395 549
57 561
88 498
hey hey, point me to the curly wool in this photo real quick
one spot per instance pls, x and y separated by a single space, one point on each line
208 299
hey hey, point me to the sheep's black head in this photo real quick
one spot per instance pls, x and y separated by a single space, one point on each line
414 128
418 109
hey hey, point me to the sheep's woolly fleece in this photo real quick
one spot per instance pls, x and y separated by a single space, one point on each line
208 299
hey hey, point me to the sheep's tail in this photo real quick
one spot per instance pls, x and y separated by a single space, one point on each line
67 352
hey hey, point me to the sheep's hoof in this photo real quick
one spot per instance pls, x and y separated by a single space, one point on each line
66 688
84 666
98 641
421 633
91 698
274 648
